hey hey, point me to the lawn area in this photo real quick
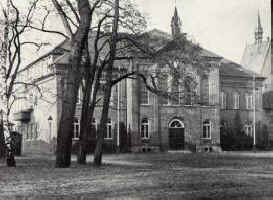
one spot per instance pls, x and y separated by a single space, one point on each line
200 176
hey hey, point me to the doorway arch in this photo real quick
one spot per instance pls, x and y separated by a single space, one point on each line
176 135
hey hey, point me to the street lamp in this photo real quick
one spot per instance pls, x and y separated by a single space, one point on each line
50 127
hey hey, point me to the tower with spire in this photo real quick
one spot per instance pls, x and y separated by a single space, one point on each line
259 31
176 25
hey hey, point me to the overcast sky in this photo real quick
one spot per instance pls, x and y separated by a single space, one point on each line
221 26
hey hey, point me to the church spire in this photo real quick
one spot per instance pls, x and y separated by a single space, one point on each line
176 25
259 31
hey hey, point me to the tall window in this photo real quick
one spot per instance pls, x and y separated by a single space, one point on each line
76 125
249 101
223 100
145 128
236 101
207 129
79 98
248 129
108 130
144 96
164 87
175 93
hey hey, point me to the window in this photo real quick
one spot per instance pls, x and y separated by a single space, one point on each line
79 98
108 130
145 128
176 124
164 85
144 94
177 96
223 100
188 91
76 132
236 101
248 129
32 131
206 129
249 101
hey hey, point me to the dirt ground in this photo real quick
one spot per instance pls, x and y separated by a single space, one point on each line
176 175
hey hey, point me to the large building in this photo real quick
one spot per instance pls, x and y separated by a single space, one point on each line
257 57
148 121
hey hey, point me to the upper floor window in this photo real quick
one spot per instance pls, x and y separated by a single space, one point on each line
249 101
79 98
236 101
207 129
76 126
145 128
223 100
108 130
164 87
176 94
144 96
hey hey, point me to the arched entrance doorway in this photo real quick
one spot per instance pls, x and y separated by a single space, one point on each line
176 134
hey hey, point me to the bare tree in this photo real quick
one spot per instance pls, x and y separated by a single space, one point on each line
16 23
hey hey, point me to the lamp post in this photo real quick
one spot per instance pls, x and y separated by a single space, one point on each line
50 127
254 113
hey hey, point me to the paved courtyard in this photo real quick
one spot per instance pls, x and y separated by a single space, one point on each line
172 175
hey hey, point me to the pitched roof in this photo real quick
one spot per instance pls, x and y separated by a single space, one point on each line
254 56
230 68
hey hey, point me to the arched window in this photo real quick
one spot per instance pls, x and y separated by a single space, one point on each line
109 130
248 128
236 100
207 129
76 132
176 124
145 128
223 100
144 94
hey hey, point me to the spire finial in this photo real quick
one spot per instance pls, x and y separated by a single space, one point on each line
259 30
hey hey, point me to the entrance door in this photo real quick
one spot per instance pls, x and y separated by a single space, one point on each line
176 135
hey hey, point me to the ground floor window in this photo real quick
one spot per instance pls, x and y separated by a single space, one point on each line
248 129
206 129
108 134
145 128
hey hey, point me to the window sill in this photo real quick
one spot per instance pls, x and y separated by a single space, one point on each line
108 139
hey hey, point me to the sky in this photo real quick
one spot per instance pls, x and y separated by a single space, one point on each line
221 26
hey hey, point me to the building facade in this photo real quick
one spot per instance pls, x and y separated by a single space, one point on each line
147 121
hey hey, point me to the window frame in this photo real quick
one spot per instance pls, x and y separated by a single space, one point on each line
236 101
144 129
109 134
248 127
142 90
208 126
223 102
249 101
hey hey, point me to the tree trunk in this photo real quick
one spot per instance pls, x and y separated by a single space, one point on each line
2 141
85 118
65 126
73 78
107 92
102 127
